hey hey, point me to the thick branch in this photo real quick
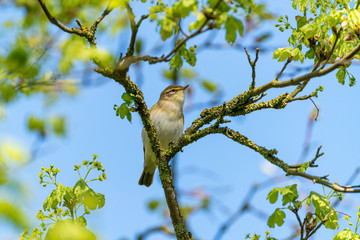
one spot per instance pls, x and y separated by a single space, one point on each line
164 169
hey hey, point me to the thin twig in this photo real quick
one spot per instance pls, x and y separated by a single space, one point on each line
253 65
312 162
337 35
283 69
295 211
102 16
54 21
317 109
182 31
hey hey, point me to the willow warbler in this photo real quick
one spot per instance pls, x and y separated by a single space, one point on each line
168 118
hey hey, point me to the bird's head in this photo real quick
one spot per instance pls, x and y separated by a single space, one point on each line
174 94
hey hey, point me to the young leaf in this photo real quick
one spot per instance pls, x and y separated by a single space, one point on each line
127 98
273 195
233 25
209 86
176 61
276 218
340 75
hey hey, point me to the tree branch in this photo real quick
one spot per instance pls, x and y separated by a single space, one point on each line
54 21
253 65
106 12
283 69
162 163
88 33
134 29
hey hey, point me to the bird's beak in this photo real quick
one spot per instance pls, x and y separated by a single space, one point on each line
184 88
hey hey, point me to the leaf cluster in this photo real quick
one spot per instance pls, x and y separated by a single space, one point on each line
323 212
63 207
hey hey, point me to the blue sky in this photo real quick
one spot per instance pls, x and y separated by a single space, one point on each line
224 169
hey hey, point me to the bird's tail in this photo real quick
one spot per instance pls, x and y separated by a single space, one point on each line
146 178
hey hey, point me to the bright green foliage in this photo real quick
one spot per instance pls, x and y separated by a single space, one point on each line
284 53
232 26
124 109
13 214
61 215
347 234
304 166
303 5
210 86
183 53
257 237
341 75
321 25
319 89
289 194
213 14
276 218
44 127
323 209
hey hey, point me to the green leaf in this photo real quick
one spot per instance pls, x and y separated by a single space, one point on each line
222 6
17 58
232 26
13 214
323 210
182 9
340 75
101 200
211 87
67 229
284 53
152 205
289 194
176 61
345 234
124 112
167 27
352 80
87 196
273 195
200 20
57 196
82 221
189 55
188 73
302 4
310 54
127 98
304 166
276 218
58 125
36 124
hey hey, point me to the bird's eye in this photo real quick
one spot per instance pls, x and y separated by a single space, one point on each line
173 90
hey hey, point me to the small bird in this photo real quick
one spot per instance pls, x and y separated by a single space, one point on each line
168 118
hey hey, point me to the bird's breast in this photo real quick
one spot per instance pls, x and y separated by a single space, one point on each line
169 124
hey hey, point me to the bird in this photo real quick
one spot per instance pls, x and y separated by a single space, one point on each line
168 117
